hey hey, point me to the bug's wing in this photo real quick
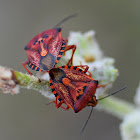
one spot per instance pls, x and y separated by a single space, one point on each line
77 90
54 46
87 97
75 74
33 57
63 94
44 35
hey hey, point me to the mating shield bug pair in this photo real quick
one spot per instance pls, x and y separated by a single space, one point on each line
71 85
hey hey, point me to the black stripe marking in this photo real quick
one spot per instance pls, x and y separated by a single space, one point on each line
56 95
30 65
69 67
75 68
80 70
59 99
62 48
33 67
63 66
53 90
38 69
51 84
61 53
64 43
78 97
58 58
84 88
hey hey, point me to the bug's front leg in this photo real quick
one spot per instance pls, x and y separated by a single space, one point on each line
73 47
85 68
102 85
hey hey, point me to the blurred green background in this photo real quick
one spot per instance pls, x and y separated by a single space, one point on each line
25 116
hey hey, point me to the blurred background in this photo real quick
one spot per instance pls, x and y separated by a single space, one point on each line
116 22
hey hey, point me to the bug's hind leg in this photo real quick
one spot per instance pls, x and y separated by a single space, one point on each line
24 65
57 105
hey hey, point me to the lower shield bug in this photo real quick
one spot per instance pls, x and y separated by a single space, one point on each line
72 86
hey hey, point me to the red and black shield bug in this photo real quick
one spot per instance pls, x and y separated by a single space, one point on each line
72 86
46 48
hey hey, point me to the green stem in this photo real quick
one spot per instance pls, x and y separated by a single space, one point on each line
112 105
116 107
31 82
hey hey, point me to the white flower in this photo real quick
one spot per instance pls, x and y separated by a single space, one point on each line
137 97
88 52
130 127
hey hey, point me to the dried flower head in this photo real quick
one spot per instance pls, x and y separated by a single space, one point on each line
8 82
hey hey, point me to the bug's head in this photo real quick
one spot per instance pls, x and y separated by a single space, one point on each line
94 102
41 41
57 74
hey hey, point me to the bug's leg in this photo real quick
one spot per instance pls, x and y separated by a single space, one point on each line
102 85
57 105
73 47
67 108
24 65
85 68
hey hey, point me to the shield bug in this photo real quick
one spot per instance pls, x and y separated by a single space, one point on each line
46 48
72 86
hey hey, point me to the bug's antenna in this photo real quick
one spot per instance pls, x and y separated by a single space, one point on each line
113 93
65 19
100 100
86 121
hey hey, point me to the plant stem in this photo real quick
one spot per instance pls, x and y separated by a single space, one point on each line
31 82
116 107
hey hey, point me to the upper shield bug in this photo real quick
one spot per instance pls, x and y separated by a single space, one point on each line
46 48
